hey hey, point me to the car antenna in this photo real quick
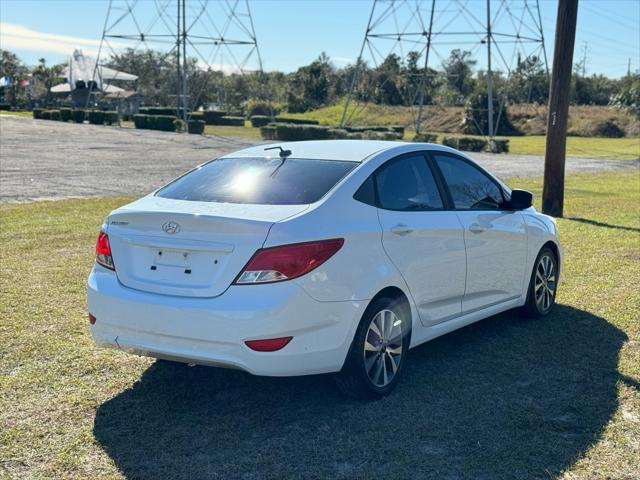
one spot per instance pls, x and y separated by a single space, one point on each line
283 153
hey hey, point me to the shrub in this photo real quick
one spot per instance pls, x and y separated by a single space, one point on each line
425 137
78 115
212 117
262 108
297 121
498 146
377 128
54 115
607 128
141 121
37 112
179 125
338 133
231 121
164 123
110 117
65 114
268 132
371 135
96 117
468 144
260 121
159 111
46 115
196 126
5 106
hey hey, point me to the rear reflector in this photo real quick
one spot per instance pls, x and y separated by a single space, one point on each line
275 264
270 345
92 319
103 251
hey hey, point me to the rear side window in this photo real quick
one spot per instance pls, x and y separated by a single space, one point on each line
267 181
470 188
407 184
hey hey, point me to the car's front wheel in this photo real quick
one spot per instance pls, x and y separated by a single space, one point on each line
543 284
374 364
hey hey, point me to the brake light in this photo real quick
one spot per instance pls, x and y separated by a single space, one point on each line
275 264
270 345
103 251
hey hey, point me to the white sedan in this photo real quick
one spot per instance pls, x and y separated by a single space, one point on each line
321 256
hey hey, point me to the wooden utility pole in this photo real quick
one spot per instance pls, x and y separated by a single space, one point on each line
554 158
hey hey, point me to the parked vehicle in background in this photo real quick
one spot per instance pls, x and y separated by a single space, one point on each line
316 257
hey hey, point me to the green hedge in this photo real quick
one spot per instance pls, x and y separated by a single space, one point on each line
37 112
498 146
258 121
141 121
110 117
65 114
78 115
468 144
425 138
196 127
296 121
5 106
171 111
292 132
96 117
164 123
377 128
231 121
46 115
213 117
55 115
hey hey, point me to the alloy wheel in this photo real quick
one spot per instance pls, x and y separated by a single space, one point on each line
545 283
383 348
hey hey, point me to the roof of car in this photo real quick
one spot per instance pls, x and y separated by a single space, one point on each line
347 150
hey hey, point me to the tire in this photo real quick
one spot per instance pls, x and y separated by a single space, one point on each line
543 285
375 362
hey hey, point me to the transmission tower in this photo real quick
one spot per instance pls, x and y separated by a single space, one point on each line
219 34
509 31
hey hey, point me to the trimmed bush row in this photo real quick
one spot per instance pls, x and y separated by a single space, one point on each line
377 128
296 121
196 127
263 120
425 137
471 144
258 121
164 123
292 132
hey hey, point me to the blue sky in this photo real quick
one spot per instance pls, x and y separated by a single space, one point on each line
292 33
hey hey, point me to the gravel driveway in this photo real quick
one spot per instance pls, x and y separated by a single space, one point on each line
41 159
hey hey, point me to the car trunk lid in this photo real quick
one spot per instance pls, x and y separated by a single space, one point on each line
186 248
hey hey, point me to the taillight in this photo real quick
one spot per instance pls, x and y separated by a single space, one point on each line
103 251
269 345
275 264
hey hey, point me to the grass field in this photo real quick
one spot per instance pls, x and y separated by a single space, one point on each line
504 398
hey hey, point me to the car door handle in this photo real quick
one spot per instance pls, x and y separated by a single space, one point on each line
401 230
475 228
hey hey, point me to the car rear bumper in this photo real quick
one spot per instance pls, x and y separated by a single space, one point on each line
212 331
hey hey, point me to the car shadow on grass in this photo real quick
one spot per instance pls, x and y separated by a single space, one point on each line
504 398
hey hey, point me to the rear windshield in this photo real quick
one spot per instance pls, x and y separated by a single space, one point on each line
268 181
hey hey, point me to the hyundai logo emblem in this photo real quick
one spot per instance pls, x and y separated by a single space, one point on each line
171 227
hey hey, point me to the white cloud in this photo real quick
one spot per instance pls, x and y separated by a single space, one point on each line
17 37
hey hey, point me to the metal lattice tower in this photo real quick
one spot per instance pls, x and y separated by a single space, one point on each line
509 31
219 34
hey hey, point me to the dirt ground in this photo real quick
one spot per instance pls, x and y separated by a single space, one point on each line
41 159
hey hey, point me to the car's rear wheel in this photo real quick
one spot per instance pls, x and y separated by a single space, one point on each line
374 364
543 285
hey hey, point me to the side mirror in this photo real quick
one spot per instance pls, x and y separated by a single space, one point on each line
520 200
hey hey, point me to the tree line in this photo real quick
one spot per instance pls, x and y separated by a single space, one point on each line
395 81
